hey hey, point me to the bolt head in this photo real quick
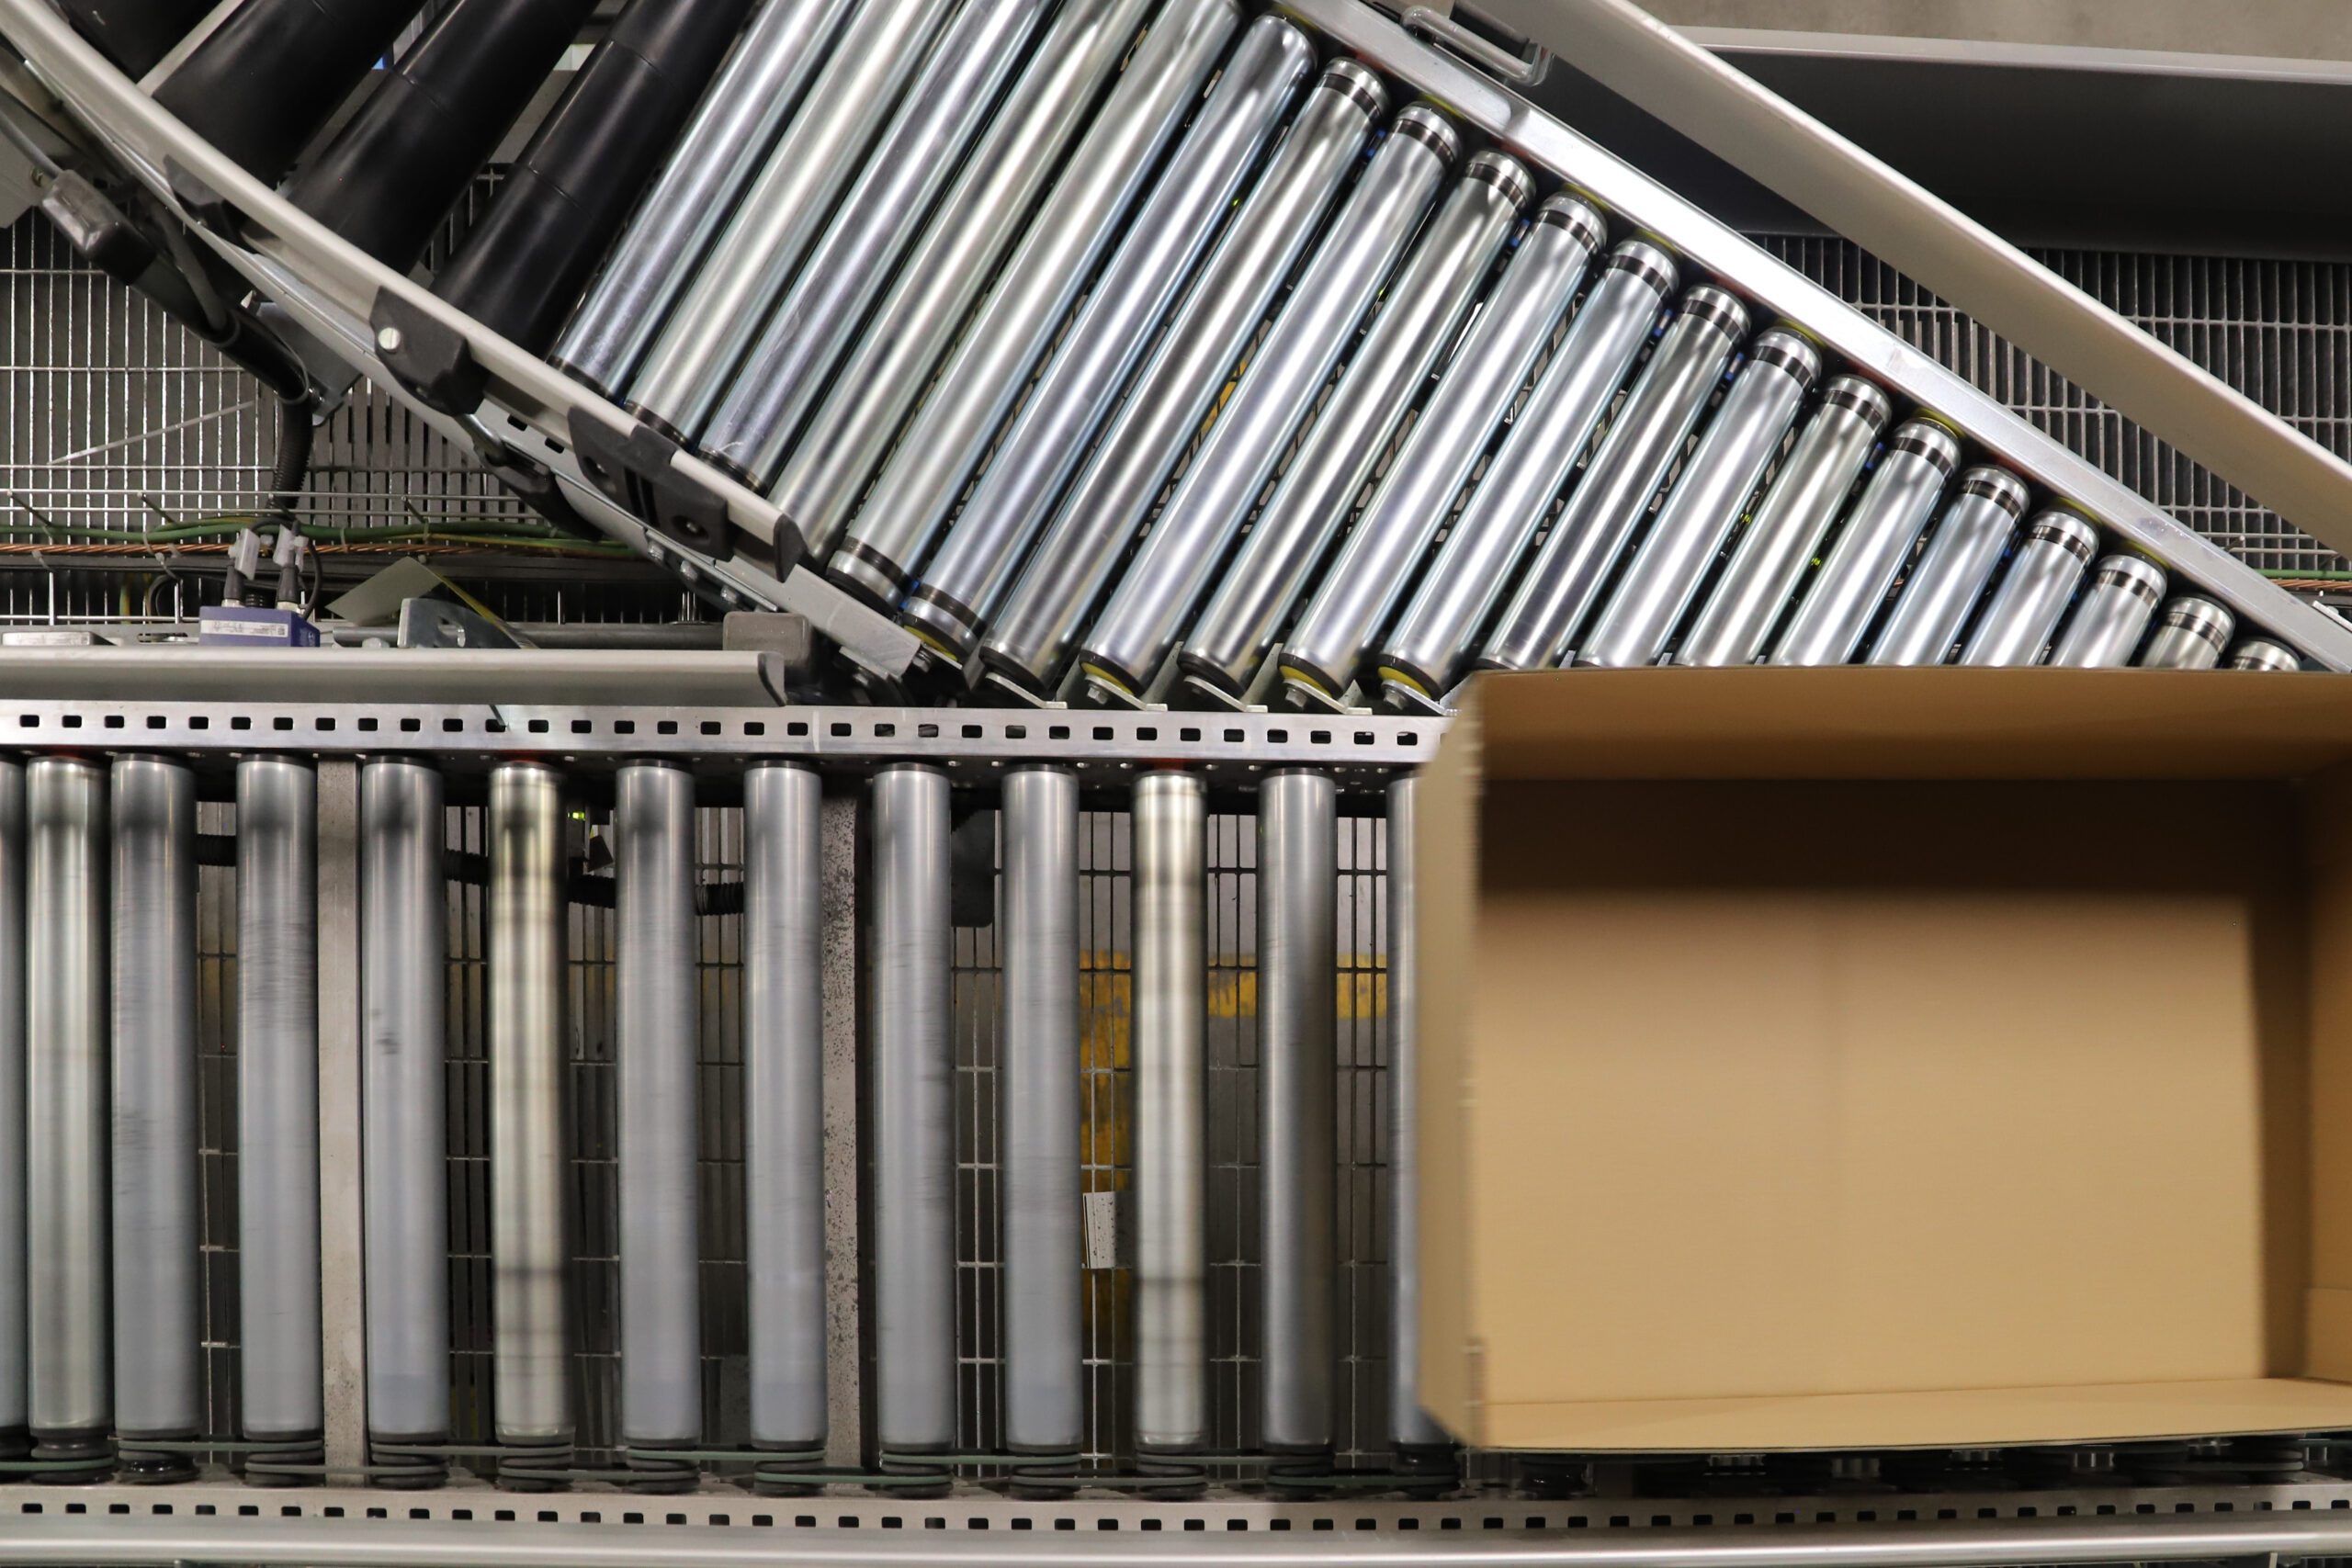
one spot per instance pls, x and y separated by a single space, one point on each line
388 340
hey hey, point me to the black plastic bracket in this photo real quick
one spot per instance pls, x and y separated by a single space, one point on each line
635 470
97 228
200 202
430 358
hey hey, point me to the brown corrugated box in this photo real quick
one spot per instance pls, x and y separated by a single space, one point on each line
1879 1058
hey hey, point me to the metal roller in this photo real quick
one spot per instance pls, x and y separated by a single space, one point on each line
158 1319
738 120
529 1155
1298 1091
784 1105
968 576
1044 1394
278 1099
13 1410
1171 1165
1197 525
403 1002
261 84
1422 315
2111 615
1719 478
951 433
71 1385
2260 653
1960 557
981 217
1564 583
2192 633
385 179
2033 593
1844 595
786 372
1410 1430
656 1034
1032 636
735 282
568 192
911 1004
1422 656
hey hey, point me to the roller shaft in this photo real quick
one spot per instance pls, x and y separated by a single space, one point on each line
1845 594
950 434
974 565
733 126
158 1328
1414 501
2034 592
1420 314
71 1391
403 956
1044 1407
1196 527
756 258
784 1112
262 83
1752 596
1669 562
914 1114
1409 1426
135 34
2111 615
1564 583
981 217
1035 631
277 1098
531 1332
786 372
1171 1166
653 826
1961 556
2192 633
1297 1012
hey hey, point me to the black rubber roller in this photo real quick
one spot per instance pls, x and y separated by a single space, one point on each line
135 34
386 179
529 258
262 83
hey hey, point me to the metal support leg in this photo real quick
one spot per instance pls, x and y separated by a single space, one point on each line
1170 1127
14 1441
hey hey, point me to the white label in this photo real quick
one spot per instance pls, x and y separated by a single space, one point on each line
1101 1230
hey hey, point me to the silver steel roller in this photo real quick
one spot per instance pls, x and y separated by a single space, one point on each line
914 1055
1564 583
1484 374
1845 594
2033 593
1298 1102
1420 315
531 1341
1044 1391
950 433
1422 656
403 986
784 1107
2192 633
1805 499
1273 396
786 370
2111 615
1950 577
277 1100
70 1387
733 285
974 565
157 1226
2261 653
1410 1430
1032 637
981 217
14 1442
1671 562
1170 1164
742 113
656 1035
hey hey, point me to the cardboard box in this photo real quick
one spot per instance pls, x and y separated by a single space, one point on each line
1868 1058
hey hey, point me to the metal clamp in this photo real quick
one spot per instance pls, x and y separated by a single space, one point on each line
1437 23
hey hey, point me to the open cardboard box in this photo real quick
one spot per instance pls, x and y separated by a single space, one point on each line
1871 1058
